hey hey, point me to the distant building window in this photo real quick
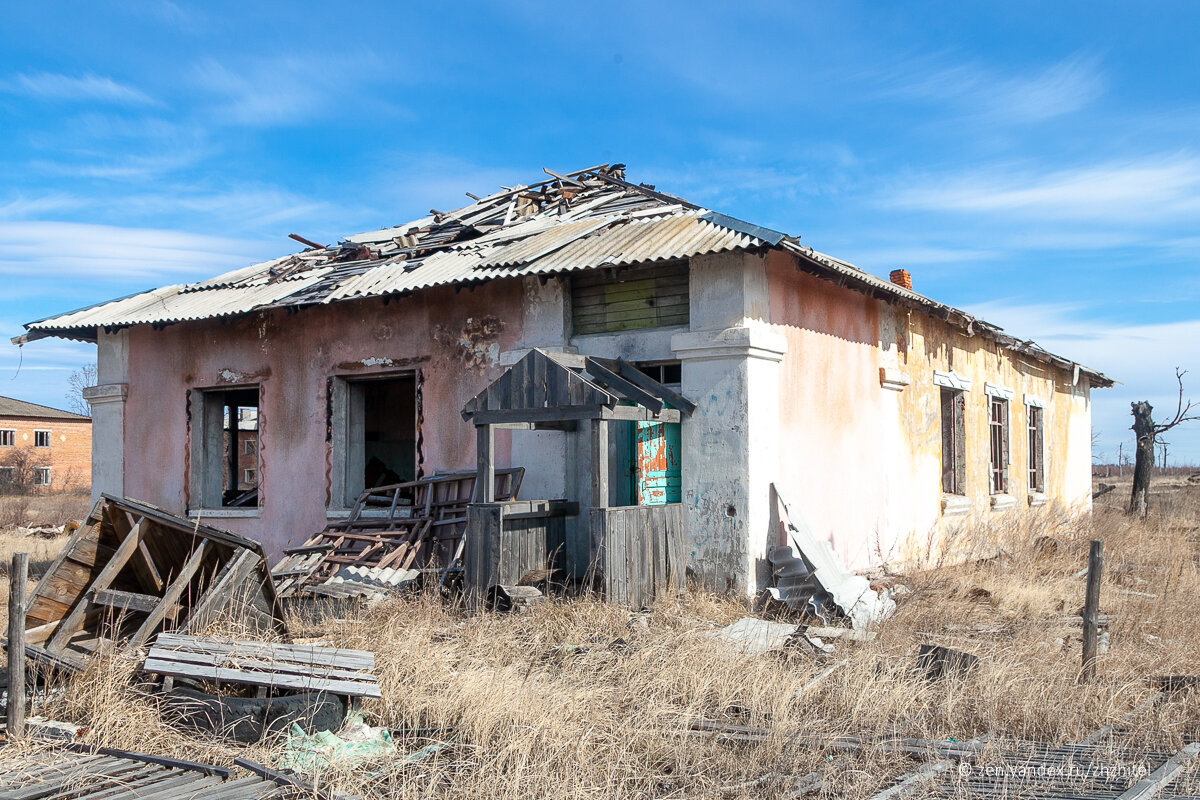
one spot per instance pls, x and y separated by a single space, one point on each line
998 439
250 446
41 476
8 438
1037 466
220 475
7 476
633 298
41 438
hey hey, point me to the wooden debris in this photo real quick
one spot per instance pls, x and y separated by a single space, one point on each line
412 525
292 667
132 570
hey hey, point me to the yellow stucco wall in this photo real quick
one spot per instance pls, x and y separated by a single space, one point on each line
862 462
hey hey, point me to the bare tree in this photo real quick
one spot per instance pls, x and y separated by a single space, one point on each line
79 380
1147 433
18 469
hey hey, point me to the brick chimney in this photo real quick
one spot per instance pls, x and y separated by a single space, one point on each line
901 277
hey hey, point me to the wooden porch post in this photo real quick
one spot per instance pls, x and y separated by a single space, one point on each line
485 464
599 474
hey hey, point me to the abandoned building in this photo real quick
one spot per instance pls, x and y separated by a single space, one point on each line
43 449
267 399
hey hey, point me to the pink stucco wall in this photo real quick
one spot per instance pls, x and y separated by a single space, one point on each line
452 338
831 413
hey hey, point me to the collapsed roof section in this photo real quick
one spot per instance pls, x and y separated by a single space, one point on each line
588 219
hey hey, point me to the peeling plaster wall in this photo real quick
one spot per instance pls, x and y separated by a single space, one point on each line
453 338
862 463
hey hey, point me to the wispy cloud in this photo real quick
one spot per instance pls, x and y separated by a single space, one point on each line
52 251
289 89
1061 88
1151 189
87 87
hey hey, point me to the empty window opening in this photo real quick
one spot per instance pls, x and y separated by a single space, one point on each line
954 440
998 438
8 438
381 437
225 469
632 298
41 476
669 373
1037 466
41 438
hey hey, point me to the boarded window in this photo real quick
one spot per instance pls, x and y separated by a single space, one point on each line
998 439
638 297
954 439
41 438
1037 467
8 438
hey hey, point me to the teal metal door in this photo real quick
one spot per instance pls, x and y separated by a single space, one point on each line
657 472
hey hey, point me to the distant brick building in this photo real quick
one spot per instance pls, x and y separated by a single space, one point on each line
44 448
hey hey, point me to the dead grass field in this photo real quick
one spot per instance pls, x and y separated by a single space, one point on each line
584 700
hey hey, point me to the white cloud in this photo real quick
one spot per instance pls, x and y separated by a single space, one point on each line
52 86
53 251
1148 190
1062 88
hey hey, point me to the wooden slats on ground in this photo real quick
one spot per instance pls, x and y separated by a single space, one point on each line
295 667
68 774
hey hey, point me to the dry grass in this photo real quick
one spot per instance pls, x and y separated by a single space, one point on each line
577 699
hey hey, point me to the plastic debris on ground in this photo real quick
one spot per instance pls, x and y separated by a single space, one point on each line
358 744
756 636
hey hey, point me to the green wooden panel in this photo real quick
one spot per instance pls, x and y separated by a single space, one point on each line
636 298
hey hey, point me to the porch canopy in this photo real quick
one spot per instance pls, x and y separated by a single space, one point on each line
555 391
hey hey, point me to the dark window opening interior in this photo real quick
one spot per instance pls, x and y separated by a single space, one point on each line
382 441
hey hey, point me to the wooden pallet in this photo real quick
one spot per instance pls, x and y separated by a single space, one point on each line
292 667
132 570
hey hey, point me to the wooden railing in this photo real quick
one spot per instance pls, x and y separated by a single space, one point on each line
638 552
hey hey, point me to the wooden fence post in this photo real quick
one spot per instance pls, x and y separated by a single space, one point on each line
17 577
1091 609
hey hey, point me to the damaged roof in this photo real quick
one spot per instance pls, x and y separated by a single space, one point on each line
581 220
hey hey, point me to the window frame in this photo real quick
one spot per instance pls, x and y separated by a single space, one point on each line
38 472
39 434
11 480
208 459
1036 429
953 404
345 414
999 444
8 437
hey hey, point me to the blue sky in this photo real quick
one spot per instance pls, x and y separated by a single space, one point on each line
1035 163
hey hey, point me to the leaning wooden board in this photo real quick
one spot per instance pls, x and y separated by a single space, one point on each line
295 667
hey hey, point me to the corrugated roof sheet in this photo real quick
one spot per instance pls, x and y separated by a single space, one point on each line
584 220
